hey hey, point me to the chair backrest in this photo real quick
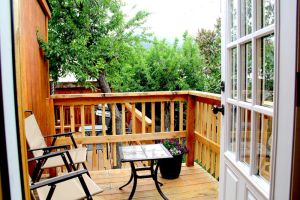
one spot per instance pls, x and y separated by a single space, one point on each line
34 136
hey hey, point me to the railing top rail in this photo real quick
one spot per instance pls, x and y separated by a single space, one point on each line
205 95
139 94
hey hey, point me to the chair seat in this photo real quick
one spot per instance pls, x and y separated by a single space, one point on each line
78 156
70 189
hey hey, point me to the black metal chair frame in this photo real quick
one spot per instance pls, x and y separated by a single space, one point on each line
53 181
38 171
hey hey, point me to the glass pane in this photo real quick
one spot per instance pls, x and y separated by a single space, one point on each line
264 145
248 16
234 73
265 77
245 136
233 19
247 72
268 12
232 130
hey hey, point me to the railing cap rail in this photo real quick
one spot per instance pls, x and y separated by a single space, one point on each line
137 94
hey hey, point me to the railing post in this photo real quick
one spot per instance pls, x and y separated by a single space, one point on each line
50 127
190 128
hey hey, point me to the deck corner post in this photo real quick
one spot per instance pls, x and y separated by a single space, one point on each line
190 128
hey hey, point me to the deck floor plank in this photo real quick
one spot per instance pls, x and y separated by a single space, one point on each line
193 183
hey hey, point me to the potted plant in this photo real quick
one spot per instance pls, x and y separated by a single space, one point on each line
170 168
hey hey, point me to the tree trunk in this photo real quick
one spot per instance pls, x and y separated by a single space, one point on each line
104 86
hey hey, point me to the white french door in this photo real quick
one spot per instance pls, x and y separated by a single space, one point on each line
255 69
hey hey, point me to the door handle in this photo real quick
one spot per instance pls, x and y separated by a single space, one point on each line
217 109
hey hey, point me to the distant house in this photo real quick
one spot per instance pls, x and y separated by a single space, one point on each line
69 85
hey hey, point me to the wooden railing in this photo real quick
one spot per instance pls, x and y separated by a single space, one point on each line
207 132
143 117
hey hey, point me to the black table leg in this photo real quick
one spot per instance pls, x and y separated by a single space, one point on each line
131 177
152 172
157 183
133 171
134 177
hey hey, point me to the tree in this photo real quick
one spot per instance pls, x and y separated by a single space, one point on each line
90 39
209 42
162 67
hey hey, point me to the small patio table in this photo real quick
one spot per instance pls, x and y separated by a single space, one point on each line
150 152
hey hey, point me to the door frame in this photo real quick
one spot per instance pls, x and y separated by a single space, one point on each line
11 170
283 125
296 151
285 99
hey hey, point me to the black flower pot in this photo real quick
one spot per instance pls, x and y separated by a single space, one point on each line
170 168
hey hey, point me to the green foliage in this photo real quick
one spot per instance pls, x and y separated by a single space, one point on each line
209 43
88 37
92 37
162 67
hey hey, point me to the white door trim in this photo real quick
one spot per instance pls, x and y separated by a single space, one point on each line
285 95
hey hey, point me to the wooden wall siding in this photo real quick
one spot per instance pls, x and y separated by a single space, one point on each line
31 69
191 120
34 69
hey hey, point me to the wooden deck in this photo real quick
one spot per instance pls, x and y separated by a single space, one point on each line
193 183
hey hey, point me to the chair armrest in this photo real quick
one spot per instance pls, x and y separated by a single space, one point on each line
60 134
50 148
49 155
58 179
55 136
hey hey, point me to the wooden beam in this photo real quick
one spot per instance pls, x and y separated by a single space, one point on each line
124 138
190 140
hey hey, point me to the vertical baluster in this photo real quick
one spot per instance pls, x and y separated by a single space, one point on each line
213 138
72 117
114 133
201 116
208 136
143 117
197 119
219 127
172 116
133 118
204 129
153 117
180 116
196 150
82 114
104 127
94 162
62 119
217 166
123 120
162 117
199 151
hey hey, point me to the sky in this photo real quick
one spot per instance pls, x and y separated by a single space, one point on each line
171 18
